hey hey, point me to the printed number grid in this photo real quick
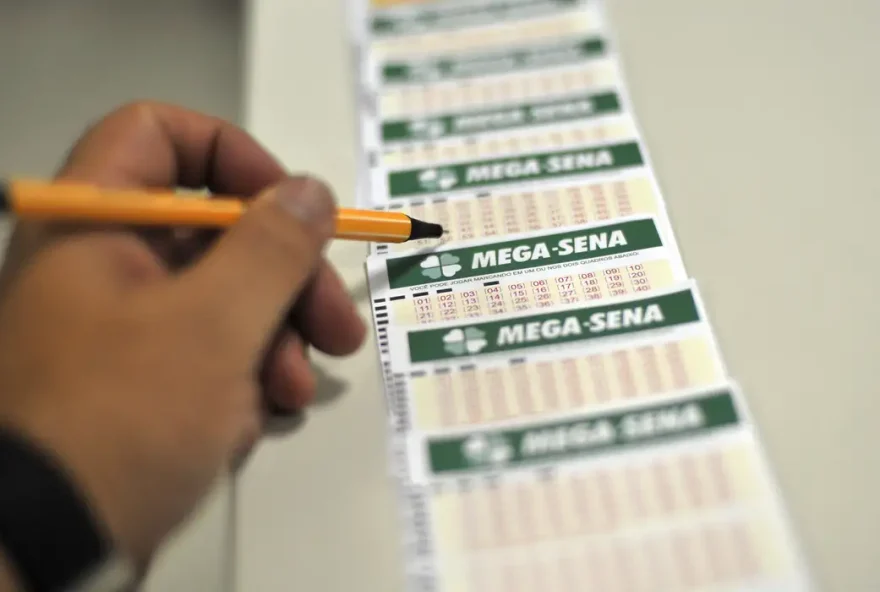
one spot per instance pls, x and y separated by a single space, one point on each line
539 209
516 295
467 397
468 149
477 39
702 557
690 520
417 101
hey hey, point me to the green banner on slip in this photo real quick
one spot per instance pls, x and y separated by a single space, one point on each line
555 328
548 165
503 118
397 21
521 254
577 438
499 62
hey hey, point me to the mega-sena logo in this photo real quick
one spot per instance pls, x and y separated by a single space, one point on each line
438 179
427 129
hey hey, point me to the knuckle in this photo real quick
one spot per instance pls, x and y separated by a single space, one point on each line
87 156
137 110
284 232
318 190
319 184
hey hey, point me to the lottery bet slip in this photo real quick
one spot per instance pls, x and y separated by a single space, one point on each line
465 65
467 217
583 378
585 120
410 118
695 512
611 322
612 154
520 290
531 169
581 264
481 36
553 440
561 248
432 16
475 115
561 417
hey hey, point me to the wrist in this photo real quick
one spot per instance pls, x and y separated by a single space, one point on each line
9 580
93 471
51 538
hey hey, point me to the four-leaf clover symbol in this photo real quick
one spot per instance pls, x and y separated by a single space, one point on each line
465 341
438 179
426 72
428 128
483 449
435 267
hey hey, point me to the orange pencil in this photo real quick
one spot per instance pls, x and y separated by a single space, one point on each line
37 200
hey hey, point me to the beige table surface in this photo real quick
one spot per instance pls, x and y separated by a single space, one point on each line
761 118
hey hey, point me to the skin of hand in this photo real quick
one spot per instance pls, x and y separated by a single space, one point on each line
144 362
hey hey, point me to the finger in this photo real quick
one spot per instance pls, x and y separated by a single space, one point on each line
158 145
326 315
290 382
101 265
178 247
153 145
251 276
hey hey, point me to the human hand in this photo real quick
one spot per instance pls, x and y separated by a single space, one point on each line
143 361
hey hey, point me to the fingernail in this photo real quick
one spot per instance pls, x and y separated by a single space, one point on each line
310 201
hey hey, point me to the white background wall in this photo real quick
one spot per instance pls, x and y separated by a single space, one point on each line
64 63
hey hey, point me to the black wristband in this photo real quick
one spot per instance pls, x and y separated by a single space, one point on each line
47 530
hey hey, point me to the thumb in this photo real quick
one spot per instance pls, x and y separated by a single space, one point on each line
247 282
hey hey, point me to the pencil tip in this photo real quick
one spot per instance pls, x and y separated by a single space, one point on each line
420 229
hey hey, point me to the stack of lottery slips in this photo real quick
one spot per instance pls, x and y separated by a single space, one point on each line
560 415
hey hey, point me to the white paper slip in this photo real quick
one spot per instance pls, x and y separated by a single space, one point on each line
475 40
467 389
409 291
542 384
568 151
521 56
407 18
445 130
544 287
492 92
606 324
505 144
570 249
528 443
698 513
604 162
554 204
